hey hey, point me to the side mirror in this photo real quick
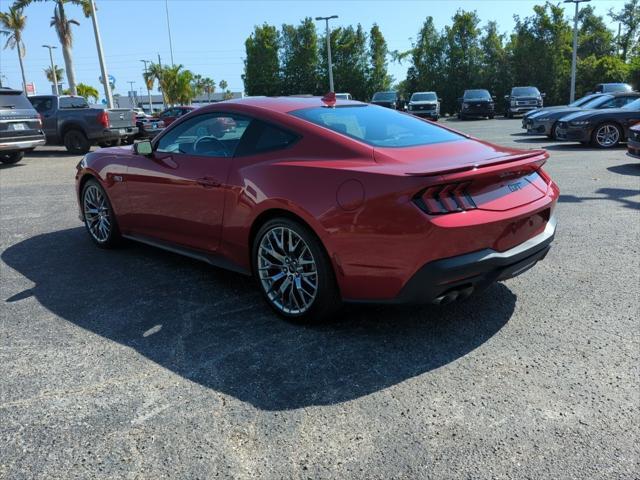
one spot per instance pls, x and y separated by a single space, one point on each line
507 97
543 95
143 148
493 97
439 99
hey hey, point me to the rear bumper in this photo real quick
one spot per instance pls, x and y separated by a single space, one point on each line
115 134
20 145
447 279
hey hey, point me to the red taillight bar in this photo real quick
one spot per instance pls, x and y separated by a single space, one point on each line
441 199
103 119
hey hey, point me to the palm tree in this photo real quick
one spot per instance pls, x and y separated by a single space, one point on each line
59 74
14 22
208 86
87 91
62 26
154 74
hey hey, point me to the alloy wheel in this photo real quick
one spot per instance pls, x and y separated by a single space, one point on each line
96 213
607 135
287 271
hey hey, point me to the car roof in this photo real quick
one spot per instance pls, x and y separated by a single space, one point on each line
10 90
285 104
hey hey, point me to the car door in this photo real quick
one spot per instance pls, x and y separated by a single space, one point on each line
177 194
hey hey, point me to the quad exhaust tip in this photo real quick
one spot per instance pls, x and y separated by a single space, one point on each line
452 295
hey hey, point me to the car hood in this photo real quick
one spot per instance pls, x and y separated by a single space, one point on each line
558 113
540 111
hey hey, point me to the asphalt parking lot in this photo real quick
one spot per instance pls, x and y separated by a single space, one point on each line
141 364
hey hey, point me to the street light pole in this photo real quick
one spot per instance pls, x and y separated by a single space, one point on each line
103 66
53 69
575 48
147 85
166 8
326 19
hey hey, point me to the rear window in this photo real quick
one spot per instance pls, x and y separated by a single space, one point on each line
377 126
73 102
14 100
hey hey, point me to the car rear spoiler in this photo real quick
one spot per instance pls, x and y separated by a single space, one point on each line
529 161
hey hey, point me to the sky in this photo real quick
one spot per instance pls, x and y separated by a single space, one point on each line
208 35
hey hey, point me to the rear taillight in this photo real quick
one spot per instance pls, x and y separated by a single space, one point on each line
134 118
441 199
103 119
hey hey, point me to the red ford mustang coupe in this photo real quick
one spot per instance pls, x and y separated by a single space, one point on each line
325 202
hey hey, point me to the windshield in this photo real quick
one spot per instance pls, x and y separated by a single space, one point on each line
424 97
596 102
377 126
617 87
582 101
525 92
384 96
635 105
477 95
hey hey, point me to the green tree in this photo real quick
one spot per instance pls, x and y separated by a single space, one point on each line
261 65
462 50
208 87
540 50
427 70
87 91
629 20
378 77
299 58
14 22
495 70
594 38
62 25
594 69
59 74
350 61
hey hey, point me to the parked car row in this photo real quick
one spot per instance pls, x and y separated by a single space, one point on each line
601 119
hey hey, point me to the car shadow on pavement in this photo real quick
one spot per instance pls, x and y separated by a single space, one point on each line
632 169
620 195
212 327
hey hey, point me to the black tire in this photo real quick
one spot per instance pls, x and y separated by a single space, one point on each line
491 117
76 142
435 119
553 135
615 130
11 158
327 299
461 117
113 238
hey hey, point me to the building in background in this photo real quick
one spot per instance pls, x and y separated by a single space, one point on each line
136 100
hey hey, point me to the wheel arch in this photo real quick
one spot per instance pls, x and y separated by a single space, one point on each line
613 122
66 127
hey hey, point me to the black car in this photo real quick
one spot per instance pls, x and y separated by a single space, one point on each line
476 103
577 103
388 99
522 100
603 128
20 126
547 122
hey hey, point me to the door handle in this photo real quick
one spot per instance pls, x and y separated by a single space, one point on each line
208 182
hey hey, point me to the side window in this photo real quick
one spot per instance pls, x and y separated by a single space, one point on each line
167 113
608 104
42 104
207 135
622 101
263 137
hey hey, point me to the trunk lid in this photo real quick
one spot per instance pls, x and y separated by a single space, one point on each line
494 178
121 118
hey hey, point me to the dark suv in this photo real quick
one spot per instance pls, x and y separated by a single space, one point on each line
388 99
476 103
20 126
522 100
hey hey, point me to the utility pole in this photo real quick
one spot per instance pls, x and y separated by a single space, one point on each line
132 93
326 19
159 87
572 96
147 85
53 69
103 66
166 7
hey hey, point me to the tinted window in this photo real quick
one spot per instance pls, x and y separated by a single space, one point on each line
597 102
263 137
384 96
14 100
423 97
635 105
584 100
73 102
377 126
617 102
208 135
477 95
525 92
